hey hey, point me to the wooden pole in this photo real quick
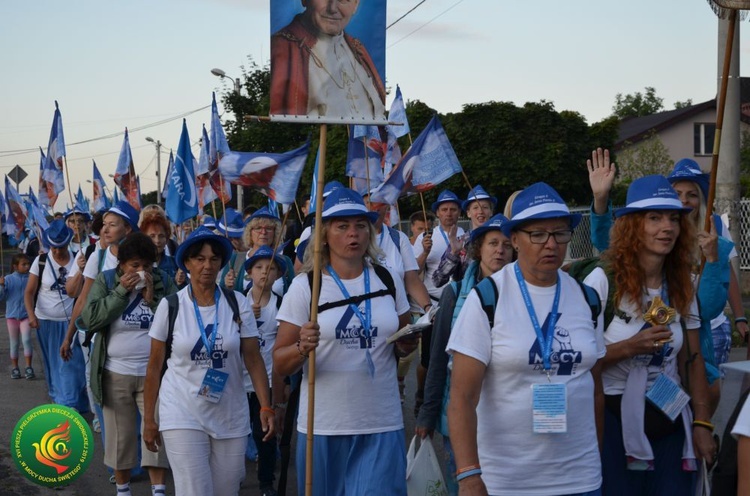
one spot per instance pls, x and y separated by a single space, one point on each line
70 186
720 104
317 242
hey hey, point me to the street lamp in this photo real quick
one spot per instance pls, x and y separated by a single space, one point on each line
237 87
157 143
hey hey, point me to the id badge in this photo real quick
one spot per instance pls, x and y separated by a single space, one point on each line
213 385
550 408
666 395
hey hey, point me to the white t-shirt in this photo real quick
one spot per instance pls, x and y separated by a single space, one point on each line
514 460
615 376
53 302
92 269
397 258
347 400
742 424
268 326
128 343
440 243
179 404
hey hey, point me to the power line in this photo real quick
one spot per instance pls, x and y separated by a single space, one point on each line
407 13
425 24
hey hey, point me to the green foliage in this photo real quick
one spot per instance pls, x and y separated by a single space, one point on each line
149 198
680 105
637 104
649 156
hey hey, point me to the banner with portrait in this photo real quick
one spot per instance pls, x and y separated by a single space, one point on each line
328 61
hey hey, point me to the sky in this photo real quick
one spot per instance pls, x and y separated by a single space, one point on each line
138 63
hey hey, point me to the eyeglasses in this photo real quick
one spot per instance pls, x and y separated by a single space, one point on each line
541 237
264 228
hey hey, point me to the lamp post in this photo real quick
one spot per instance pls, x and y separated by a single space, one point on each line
157 143
238 116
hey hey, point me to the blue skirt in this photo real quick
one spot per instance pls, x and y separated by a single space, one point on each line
363 464
66 381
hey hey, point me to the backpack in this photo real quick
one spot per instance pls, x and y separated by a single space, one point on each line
580 269
42 266
173 306
724 478
488 296
383 274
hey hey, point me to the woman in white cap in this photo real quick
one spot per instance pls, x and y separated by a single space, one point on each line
654 431
359 445
205 336
526 396
49 308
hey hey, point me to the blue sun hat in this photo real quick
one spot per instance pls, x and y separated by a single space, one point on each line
265 252
263 213
209 222
446 196
688 170
345 202
235 224
538 201
58 234
651 193
200 235
495 223
76 210
127 212
330 187
478 193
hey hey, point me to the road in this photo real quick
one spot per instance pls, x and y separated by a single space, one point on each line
19 396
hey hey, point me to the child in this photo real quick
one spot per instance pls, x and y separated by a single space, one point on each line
17 320
264 268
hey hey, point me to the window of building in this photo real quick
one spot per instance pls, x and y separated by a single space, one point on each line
703 138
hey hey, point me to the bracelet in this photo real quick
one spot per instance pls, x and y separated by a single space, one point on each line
281 406
740 319
704 424
300 349
268 410
467 468
468 473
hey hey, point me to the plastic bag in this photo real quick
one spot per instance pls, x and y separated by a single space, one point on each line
423 474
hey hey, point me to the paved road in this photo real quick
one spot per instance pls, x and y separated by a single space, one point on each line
19 396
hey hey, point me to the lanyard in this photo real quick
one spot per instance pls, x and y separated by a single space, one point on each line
209 345
447 243
365 319
544 344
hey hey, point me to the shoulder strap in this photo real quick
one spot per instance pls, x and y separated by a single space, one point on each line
395 237
42 265
278 299
173 306
89 250
232 300
383 274
488 295
386 278
109 278
592 298
102 258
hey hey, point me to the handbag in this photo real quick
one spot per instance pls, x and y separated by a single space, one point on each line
423 474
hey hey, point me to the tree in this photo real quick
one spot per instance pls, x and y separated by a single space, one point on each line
637 104
650 156
687 103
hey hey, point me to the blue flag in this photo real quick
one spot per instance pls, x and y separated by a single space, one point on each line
125 174
206 194
17 211
364 162
101 201
47 194
314 185
397 113
53 164
276 175
170 168
428 162
218 147
182 200
115 195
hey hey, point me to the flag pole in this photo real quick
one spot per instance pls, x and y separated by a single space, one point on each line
70 186
317 241
466 179
367 169
421 196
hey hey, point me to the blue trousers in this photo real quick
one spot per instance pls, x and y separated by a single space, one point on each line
66 380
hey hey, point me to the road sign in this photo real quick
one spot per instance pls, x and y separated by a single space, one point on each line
17 174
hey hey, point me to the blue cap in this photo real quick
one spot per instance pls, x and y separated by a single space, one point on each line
689 170
58 234
200 235
478 193
538 201
235 224
266 252
78 211
209 222
345 202
127 212
263 213
445 196
330 187
651 193
495 223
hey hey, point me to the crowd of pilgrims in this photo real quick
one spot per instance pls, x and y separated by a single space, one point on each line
600 377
